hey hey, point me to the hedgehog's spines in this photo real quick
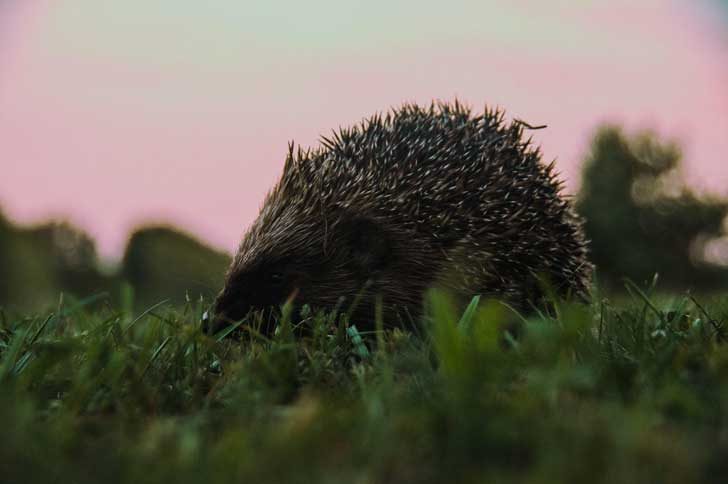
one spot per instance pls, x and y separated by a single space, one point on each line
458 191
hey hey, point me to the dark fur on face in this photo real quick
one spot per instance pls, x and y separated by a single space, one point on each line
417 198
352 259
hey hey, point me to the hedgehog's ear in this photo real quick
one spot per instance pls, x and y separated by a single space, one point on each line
366 242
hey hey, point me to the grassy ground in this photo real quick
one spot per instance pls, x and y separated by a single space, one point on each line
629 392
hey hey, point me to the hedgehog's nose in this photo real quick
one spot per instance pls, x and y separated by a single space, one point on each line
212 324
206 321
225 312
213 319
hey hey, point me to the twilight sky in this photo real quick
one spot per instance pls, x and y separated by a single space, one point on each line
118 113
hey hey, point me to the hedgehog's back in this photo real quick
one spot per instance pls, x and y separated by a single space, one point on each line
468 186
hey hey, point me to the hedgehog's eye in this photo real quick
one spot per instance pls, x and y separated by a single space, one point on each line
275 278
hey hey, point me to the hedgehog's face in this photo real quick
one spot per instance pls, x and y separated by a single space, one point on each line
311 263
264 285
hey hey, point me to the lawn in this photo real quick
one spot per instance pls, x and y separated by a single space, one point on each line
627 391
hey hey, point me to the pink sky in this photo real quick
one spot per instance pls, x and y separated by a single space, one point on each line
114 116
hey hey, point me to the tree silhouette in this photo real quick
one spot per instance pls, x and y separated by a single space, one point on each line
641 218
161 263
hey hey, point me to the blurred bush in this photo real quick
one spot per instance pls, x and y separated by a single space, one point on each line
641 218
163 263
40 262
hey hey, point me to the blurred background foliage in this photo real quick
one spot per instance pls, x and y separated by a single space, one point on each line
163 263
159 263
640 217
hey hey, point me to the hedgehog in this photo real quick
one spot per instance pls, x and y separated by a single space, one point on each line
408 200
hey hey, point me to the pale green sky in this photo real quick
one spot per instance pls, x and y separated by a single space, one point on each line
218 32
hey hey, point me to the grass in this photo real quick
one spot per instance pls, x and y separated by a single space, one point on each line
635 391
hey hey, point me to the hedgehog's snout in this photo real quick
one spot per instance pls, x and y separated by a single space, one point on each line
229 308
